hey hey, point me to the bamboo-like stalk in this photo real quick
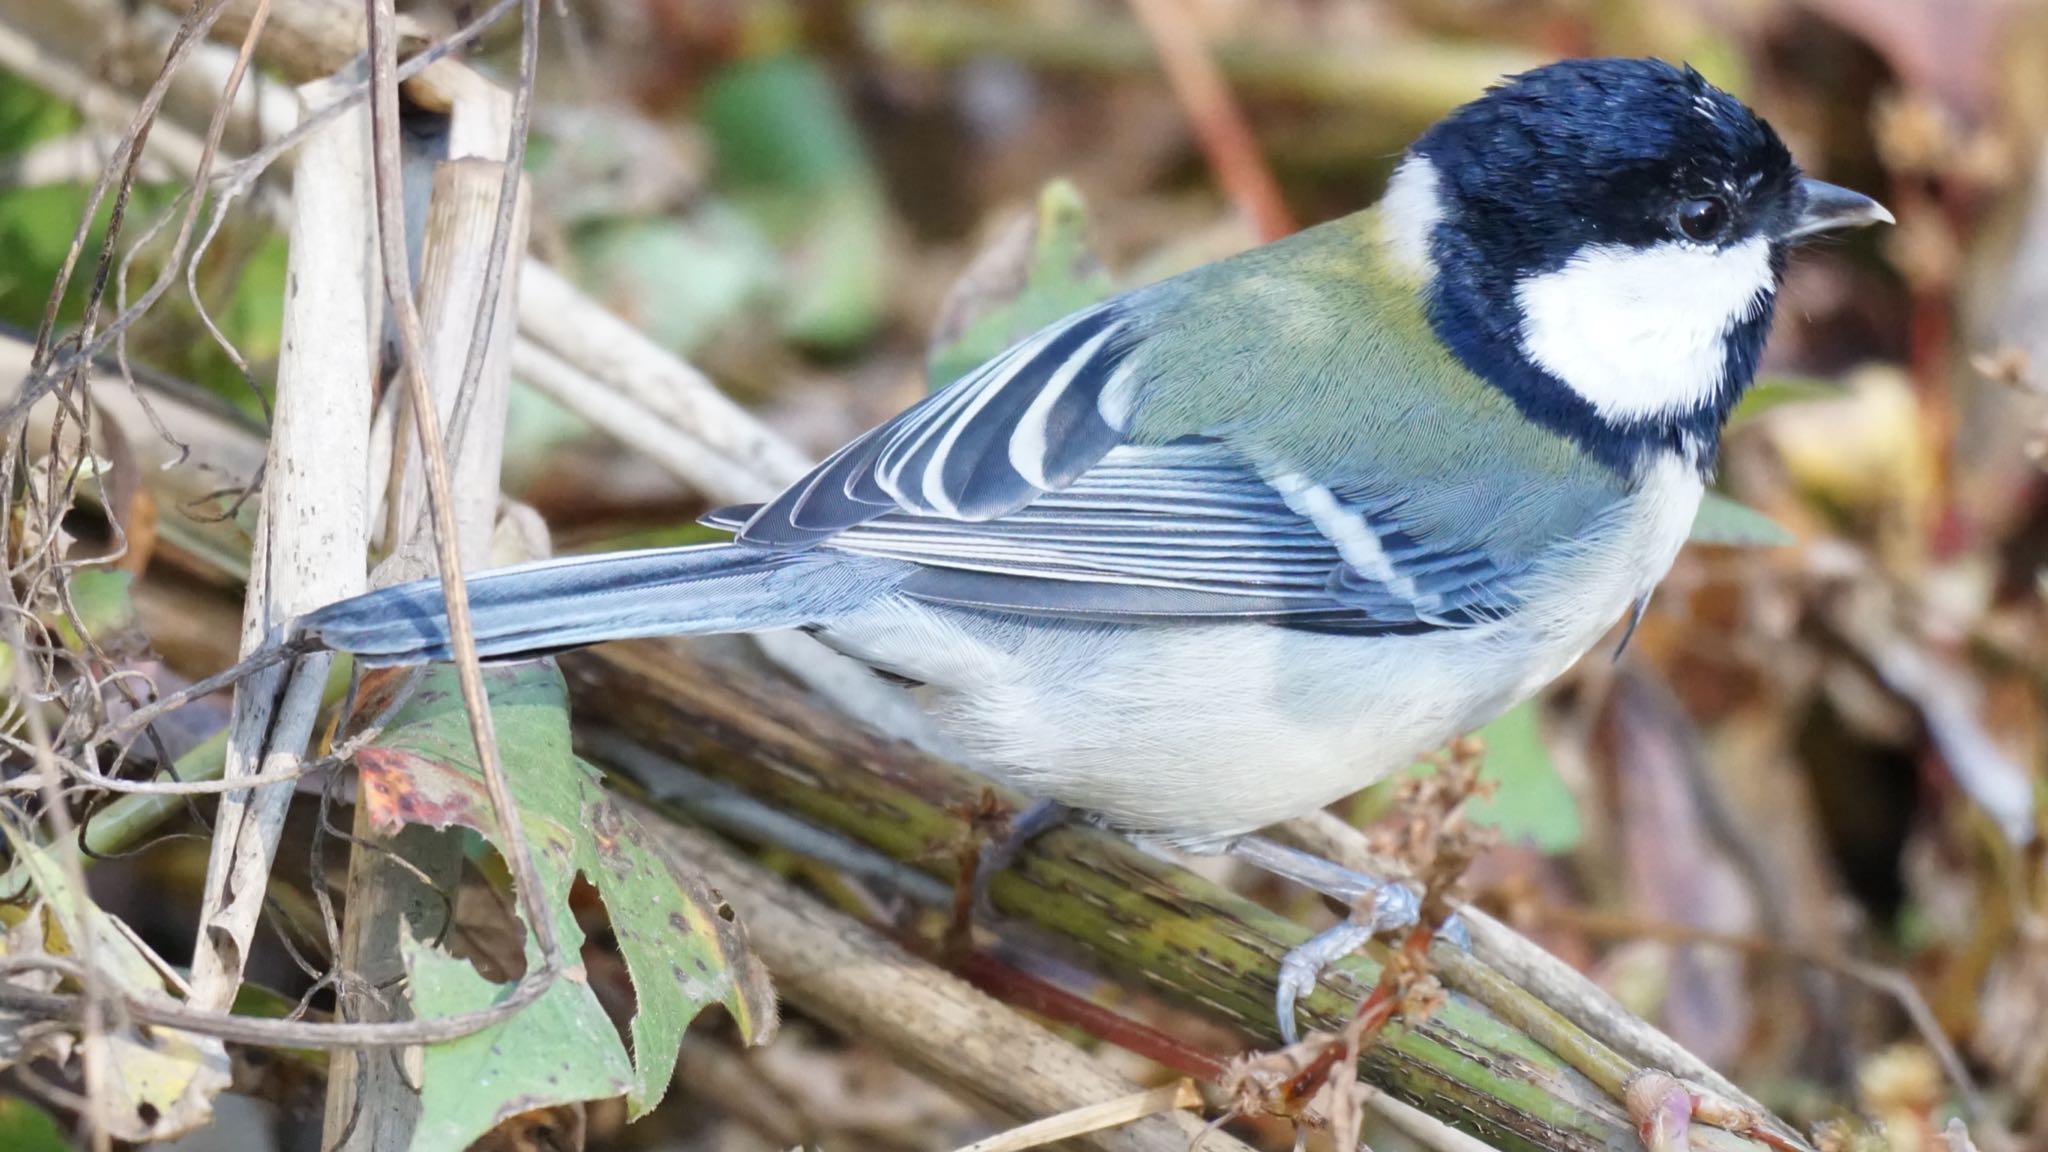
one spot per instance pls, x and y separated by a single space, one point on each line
395 881
313 530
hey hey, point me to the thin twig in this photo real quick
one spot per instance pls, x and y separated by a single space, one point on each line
1177 1096
412 338
501 229
264 1033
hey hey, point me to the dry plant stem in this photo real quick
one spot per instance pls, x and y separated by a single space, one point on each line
313 528
508 235
74 159
1147 921
1080 1122
93 1003
621 416
560 318
1411 80
1219 124
313 38
412 338
455 300
263 1032
864 985
396 882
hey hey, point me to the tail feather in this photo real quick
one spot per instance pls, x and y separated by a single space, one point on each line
550 605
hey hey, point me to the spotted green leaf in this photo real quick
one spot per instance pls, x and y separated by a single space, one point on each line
680 952
560 1048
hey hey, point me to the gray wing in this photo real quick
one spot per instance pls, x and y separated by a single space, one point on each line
1184 532
1028 422
1018 490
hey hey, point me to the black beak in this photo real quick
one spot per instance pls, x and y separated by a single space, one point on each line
1829 207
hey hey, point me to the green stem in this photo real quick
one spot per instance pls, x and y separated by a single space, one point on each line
1413 79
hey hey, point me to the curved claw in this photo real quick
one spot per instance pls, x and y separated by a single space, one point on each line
1303 964
1297 979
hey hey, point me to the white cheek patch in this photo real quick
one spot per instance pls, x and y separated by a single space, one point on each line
1641 332
1409 214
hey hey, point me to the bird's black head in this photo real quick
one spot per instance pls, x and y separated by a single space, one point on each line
1631 152
1604 240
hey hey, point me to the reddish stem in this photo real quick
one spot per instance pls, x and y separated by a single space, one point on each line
1028 992
1219 123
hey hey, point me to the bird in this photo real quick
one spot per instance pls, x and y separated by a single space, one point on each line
1228 547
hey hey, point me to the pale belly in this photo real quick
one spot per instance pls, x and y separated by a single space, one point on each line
1200 733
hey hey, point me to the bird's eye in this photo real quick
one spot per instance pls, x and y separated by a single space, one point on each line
1701 219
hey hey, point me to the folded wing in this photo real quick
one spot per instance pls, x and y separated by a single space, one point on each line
1018 490
1187 531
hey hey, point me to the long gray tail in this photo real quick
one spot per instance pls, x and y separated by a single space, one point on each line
533 609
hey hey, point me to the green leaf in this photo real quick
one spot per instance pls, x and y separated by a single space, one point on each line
1721 520
680 952
777 127
1533 805
831 295
560 1048
788 155
1028 277
25 1127
681 280
162 1080
104 605
1775 391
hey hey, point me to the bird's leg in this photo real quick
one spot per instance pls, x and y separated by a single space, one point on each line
998 854
1377 907
994 854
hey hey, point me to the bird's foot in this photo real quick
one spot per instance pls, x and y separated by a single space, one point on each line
1378 907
